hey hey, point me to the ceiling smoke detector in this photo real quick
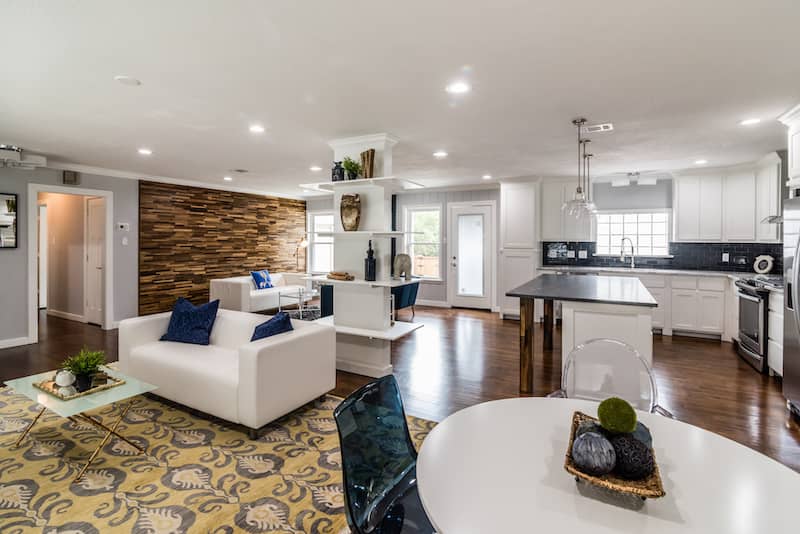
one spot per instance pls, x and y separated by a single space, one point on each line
14 157
597 128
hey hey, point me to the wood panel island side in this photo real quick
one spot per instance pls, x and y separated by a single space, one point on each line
614 307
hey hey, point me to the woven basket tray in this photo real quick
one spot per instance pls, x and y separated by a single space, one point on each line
647 488
51 388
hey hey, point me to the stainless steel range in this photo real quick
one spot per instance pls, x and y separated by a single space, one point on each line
753 323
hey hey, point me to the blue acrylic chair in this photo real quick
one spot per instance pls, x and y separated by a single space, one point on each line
379 462
405 296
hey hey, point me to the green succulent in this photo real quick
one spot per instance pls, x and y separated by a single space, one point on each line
617 416
86 362
351 165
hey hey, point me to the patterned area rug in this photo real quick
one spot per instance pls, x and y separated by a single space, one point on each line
197 476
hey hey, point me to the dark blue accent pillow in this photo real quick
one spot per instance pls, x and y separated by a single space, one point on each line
261 279
190 323
279 324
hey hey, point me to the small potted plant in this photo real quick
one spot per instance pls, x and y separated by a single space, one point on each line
84 365
352 167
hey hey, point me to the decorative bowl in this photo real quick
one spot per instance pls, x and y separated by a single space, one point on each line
646 488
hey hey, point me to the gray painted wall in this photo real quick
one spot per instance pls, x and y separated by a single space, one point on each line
320 204
13 263
65 249
634 196
437 291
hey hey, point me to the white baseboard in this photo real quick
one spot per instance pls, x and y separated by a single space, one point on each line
15 342
433 303
66 315
364 369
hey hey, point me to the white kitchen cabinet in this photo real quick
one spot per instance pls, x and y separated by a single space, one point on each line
698 208
659 312
740 206
519 248
768 196
792 119
775 333
557 225
518 215
711 312
684 309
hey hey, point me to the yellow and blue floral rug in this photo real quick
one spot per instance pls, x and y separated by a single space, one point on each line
198 475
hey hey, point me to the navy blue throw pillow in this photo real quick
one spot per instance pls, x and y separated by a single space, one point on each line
279 324
261 279
190 323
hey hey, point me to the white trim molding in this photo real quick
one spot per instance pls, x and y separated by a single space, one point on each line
66 315
433 303
33 247
15 342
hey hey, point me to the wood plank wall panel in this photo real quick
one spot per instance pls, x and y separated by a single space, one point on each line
190 235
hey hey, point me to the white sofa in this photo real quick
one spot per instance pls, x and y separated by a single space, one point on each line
250 383
240 293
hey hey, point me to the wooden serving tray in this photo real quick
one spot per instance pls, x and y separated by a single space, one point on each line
647 488
51 388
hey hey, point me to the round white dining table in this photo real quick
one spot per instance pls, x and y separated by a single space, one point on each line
498 467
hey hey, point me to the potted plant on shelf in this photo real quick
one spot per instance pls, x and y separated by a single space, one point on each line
84 365
352 167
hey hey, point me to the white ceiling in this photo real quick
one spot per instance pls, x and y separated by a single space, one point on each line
674 77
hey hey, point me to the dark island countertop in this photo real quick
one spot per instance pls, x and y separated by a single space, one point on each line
623 290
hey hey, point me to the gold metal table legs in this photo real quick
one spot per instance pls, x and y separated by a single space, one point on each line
110 431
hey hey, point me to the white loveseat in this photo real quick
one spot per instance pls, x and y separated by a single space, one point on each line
240 293
250 383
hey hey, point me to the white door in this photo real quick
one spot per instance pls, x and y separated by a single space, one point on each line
42 256
470 253
95 254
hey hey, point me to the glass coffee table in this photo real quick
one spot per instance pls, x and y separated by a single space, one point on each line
297 299
75 409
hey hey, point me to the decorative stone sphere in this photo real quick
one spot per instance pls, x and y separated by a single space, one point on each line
617 416
588 426
64 378
593 454
642 433
634 459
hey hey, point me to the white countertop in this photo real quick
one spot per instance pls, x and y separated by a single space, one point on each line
644 270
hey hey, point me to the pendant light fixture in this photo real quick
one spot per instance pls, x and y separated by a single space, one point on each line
581 205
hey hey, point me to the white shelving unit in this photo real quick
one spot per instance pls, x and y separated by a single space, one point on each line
362 309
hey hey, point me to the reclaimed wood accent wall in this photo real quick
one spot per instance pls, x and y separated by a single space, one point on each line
190 235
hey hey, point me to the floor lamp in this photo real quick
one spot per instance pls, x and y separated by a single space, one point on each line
303 243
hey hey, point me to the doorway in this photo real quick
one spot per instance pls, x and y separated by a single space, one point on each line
70 257
471 245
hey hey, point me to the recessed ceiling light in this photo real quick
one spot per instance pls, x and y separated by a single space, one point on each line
458 88
440 154
315 168
227 178
127 80
487 176
701 162
256 128
750 122
145 151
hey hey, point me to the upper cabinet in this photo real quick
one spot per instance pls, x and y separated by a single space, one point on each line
728 204
518 215
698 208
557 225
792 120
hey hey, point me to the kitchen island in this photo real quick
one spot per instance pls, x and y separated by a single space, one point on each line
614 307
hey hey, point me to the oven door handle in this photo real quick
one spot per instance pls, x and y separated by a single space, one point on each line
751 298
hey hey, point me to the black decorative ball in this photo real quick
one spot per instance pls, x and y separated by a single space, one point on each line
593 454
634 459
642 433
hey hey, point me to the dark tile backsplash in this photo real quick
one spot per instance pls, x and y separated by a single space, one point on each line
690 256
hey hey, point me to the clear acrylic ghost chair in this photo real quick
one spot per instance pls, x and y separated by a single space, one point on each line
602 368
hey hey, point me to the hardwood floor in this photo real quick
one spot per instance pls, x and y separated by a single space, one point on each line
463 357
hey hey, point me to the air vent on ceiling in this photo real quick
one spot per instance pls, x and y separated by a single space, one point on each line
597 128
14 157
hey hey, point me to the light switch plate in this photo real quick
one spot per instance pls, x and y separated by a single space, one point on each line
583 254
726 257
570 253
125 227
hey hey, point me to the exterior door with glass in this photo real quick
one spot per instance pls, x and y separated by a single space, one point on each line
470 242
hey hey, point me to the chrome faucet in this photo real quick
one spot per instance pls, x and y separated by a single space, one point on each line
622 251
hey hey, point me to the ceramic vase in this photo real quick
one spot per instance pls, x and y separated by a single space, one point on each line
402 266
350 212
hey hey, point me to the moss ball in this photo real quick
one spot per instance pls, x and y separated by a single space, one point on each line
634 459
617 416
